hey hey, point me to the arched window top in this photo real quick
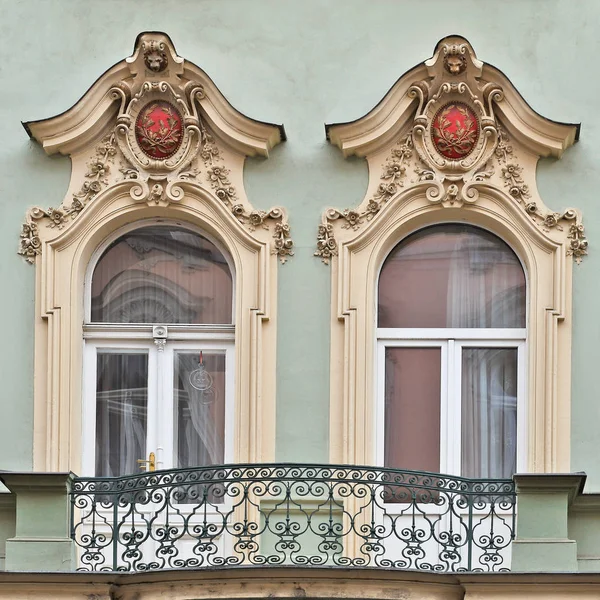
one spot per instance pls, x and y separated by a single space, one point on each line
162 274
452 275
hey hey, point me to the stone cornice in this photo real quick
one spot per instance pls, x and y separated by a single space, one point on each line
36 482
550 483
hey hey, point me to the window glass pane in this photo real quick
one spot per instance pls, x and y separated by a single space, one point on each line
412 408
452 276
162 275
121 412
199 408
489 412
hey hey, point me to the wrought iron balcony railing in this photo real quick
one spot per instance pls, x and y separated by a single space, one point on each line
292 514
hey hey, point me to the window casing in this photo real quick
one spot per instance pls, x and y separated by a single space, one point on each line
114 183
451 390
415 183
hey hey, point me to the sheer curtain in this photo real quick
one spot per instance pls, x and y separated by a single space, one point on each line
489 412
199 416
121 413
486 283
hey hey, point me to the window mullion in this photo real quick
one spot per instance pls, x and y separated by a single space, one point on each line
522 414
454 422
445 409
166 409
154 375
230 412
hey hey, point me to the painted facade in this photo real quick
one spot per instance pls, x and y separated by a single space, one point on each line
303 216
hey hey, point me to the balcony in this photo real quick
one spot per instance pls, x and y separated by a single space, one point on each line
292 514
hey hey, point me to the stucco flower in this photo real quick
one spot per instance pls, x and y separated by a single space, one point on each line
394 171
256 218
511 172
56 216
239 211
218 176
226 194
76 205
96 168
551 219
403 151
372 209
352 218
209 151
95 187
386 191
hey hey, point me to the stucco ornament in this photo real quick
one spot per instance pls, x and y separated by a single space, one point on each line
158 130
455 61
156 127
451 129
455 131
155 55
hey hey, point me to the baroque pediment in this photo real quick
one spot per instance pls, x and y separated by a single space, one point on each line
450 129
157 127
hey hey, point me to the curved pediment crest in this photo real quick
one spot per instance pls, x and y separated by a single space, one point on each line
157 124
451 128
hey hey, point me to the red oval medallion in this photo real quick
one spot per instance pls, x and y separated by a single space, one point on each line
455 130
159 129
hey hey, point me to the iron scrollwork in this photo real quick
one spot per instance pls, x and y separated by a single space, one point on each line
291 514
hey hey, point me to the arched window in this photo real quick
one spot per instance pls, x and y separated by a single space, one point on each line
159 339
451 354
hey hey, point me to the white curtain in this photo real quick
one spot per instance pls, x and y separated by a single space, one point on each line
486 286
199 416
489 412
121 413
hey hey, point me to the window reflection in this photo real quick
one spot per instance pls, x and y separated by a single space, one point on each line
452 276
162 274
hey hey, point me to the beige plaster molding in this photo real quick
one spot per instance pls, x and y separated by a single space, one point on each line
297 582
116 180
423 173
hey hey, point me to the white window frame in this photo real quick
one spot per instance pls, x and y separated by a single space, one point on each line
451 341
160 416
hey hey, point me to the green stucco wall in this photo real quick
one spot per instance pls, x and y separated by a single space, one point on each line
301 64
